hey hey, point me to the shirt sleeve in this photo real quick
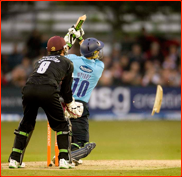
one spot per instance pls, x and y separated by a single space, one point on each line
100 68
71 56
66 91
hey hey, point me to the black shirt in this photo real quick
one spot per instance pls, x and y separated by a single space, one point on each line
51 70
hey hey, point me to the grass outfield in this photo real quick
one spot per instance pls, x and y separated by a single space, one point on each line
116 140
161 172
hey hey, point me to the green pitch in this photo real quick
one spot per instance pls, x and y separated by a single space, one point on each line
116 140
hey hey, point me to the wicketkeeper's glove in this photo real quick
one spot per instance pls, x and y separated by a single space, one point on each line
75 109
67 114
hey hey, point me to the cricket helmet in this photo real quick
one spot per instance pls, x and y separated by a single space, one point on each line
89 46
55 43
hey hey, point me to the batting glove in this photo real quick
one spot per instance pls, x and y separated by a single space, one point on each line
69 39
77 34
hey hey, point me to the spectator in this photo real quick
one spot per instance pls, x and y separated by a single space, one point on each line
136 54
133 76
151 74
20 73
173 54
44 39
15 58
124 63
106 78
154 54
5 67
116 73
168 78
107 62
146 66
146 39
33 45
116 52
175 78
169 63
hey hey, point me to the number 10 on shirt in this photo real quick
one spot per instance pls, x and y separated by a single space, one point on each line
82 87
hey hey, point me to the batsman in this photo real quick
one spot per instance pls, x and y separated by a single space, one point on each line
87 71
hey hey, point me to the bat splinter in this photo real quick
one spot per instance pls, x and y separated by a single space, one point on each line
158 100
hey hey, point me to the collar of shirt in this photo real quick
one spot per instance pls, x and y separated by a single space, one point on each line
92 60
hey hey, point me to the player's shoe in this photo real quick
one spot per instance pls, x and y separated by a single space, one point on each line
15 164
80 162
77 162
64 164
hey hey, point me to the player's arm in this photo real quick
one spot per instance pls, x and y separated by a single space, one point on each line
70 105
80 42
66 91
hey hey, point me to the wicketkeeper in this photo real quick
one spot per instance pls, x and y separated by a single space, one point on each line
42 90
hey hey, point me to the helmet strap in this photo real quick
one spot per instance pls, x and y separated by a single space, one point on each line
95 54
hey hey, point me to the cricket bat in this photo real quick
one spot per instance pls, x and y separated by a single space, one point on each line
77 26
80 22
158 100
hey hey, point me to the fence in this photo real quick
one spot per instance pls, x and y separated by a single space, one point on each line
108 103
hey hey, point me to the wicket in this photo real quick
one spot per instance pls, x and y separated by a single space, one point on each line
49 147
